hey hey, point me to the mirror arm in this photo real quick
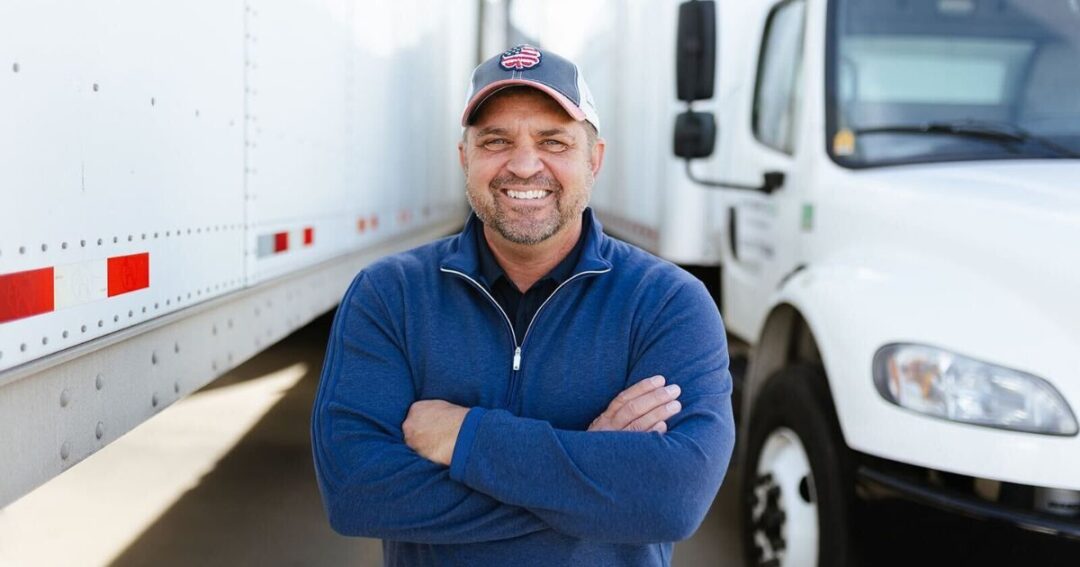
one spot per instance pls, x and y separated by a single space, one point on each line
773 181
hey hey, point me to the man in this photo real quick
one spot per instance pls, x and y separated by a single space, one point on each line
498 397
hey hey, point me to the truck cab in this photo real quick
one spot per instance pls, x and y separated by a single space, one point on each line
907 290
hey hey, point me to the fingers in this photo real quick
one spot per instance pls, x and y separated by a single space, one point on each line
641 406
607 421
656 420
635 391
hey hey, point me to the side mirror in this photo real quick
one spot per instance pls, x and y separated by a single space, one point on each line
695 50
695 134
695 66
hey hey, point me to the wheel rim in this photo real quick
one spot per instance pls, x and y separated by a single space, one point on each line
784 511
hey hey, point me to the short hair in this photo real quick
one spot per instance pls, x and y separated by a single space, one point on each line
591 134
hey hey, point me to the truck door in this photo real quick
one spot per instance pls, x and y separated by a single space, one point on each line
762 229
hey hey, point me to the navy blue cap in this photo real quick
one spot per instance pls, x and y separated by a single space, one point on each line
528 66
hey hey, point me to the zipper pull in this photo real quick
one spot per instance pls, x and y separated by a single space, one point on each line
517 359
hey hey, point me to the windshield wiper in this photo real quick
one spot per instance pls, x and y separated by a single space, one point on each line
985 130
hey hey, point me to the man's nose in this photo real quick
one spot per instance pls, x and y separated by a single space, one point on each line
525 162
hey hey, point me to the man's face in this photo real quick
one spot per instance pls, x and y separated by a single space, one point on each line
528 166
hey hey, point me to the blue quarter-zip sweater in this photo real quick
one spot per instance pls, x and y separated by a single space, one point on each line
527 485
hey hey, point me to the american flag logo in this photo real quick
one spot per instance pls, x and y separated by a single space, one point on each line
520 57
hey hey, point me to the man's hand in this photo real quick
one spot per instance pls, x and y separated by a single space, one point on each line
431 429
642 407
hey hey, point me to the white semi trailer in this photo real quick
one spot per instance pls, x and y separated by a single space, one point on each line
182 184
891 214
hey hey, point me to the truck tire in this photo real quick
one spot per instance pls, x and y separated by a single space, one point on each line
797 489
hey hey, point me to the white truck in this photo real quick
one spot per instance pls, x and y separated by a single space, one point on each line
891 216
182 184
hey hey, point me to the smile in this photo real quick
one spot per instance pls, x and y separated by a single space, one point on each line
527 195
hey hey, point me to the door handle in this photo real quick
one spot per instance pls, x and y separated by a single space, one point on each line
733 232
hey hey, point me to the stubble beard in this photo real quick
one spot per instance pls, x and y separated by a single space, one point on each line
526 230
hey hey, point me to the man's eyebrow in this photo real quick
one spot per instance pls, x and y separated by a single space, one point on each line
492 130
552 132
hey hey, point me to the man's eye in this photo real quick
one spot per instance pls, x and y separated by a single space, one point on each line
554 145
496 143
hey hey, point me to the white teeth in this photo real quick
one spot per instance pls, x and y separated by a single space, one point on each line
535 194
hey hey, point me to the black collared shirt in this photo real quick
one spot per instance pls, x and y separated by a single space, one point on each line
521 307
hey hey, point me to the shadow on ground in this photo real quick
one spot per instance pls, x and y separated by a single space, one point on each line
260 504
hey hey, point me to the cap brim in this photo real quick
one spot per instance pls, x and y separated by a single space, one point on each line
483 94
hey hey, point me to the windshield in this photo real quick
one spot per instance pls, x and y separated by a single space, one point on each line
943 80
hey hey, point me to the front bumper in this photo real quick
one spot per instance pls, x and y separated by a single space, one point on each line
913 488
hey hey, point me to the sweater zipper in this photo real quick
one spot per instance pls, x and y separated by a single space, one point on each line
512 398
513 336
516 362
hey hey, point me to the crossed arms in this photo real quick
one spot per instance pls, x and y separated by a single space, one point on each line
431 427
381 455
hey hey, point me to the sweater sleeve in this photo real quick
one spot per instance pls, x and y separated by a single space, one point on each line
623 487
372 484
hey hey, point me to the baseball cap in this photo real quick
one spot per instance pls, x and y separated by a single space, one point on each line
528 66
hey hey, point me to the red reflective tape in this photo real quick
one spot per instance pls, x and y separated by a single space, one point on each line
281 242
361 225
25 294
309 236
129 273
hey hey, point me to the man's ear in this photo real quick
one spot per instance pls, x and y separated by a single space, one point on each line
596 159
461 153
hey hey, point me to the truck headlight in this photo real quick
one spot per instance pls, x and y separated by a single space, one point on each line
943 384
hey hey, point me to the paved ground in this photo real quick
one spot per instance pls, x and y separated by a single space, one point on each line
224 478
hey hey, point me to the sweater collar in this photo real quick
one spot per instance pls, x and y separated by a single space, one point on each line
464 254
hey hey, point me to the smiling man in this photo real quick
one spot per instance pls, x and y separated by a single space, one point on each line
529 391
521 195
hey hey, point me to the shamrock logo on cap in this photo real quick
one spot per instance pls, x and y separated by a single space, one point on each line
520 58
